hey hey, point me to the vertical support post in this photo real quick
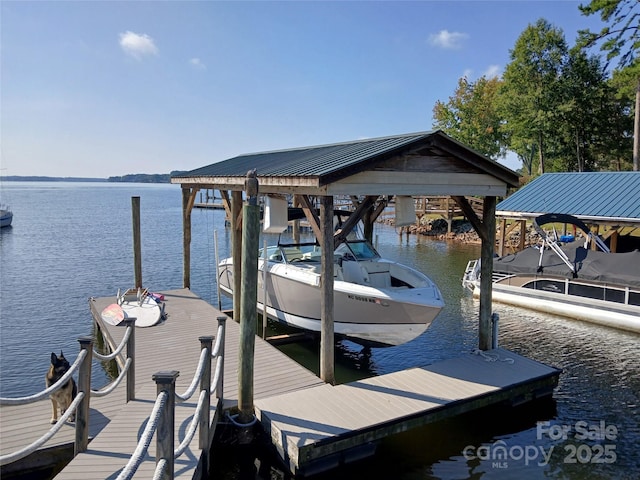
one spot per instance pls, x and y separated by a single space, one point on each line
131 353
495 320
84 386
206 342
265 273
486 272
367 220
327 371
186 238
503 236
248 298
137 248
296 223
166 381
222 320
236 249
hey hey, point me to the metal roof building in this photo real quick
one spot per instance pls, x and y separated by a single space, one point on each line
369 171
422 163
598 197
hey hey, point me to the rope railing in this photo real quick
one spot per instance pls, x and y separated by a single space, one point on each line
52 389
145 440
162 418
217 377
193 425
161 421
103 392
29 449
116 352
204 356
80 405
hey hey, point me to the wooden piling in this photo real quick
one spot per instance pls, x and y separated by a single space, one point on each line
186 238
206 342
248 299
137 245
486 272
84 386
165 432
236 248
131 353
327 370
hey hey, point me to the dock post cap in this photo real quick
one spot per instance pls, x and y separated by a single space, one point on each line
165 376
85 340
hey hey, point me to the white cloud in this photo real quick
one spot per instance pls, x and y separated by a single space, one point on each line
490 72
137 45
493 71
448 40
197 63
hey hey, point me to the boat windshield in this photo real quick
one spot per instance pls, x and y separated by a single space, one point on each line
359 249
309 253
312 253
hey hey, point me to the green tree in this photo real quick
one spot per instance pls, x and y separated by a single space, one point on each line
470 116
590 115
531 92
620 38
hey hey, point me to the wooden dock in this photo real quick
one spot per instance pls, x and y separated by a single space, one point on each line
115 426
321 427
313 425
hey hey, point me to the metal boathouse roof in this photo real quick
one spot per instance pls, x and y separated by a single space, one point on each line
419 163
602 197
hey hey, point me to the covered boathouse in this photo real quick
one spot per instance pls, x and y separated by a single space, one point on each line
317 428
370 172
602 200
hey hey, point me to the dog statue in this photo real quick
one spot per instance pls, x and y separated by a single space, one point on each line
65 395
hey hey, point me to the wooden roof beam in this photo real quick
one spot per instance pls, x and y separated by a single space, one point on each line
312 216
466 208
353 219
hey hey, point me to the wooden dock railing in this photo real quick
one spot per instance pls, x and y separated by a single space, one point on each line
80 405
161 420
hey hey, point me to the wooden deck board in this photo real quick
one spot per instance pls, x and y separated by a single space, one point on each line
308 420
309 424
116 426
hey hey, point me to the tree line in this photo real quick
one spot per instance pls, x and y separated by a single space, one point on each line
557 107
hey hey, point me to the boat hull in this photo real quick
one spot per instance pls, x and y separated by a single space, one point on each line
6 217
366 314
610 314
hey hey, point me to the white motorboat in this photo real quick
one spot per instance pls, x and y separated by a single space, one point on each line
376 301
6 216
566 277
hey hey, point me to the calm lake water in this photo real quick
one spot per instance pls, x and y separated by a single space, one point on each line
72 241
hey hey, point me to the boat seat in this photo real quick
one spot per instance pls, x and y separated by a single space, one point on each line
380 279
352 272
377 274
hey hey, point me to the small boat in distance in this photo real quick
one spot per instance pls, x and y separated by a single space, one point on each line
376 301
6 216
568 278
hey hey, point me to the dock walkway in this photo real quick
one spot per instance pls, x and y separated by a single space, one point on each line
116 426
324 426
313 425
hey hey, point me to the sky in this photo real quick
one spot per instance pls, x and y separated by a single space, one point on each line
100 89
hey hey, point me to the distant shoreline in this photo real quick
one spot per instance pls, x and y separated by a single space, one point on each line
20 178
130 178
